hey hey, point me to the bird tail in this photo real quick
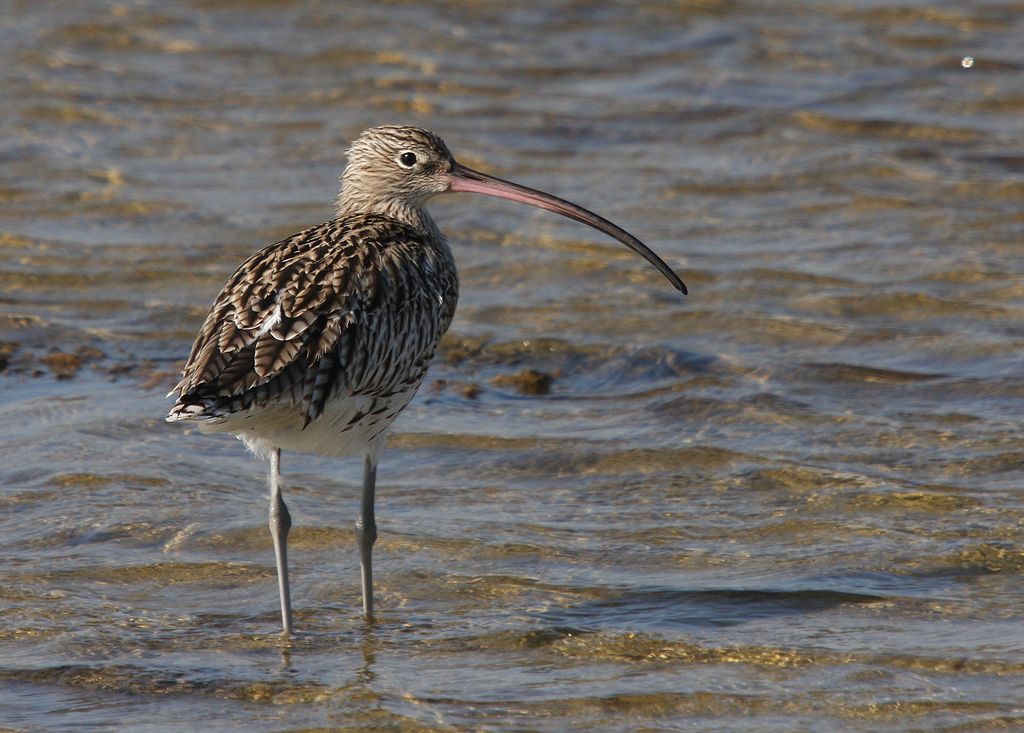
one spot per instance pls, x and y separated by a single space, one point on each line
195 409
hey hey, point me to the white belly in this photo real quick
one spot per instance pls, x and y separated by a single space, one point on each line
351 425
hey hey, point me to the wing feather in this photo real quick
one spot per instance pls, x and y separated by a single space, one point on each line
334 307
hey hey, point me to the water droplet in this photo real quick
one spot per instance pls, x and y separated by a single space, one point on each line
967 62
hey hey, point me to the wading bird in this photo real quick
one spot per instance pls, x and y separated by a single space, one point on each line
316 343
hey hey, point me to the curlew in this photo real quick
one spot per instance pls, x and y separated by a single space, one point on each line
319 341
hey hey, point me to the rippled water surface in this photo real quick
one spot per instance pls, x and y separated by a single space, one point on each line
791 501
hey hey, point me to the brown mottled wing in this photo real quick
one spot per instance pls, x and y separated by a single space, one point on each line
355 304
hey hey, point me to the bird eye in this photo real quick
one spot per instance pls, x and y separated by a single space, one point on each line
407 159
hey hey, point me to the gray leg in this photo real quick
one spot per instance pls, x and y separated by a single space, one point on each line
280 523
366 533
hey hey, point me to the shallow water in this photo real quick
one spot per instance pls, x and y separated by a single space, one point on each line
789 502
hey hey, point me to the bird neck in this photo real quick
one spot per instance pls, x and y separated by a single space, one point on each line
349 203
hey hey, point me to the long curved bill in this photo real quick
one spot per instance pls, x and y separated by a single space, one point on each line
463 179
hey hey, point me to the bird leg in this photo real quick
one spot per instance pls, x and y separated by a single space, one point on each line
280 523
366 533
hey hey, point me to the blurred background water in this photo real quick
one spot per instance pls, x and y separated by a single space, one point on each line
789 502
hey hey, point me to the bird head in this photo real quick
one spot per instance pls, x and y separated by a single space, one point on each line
395 166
